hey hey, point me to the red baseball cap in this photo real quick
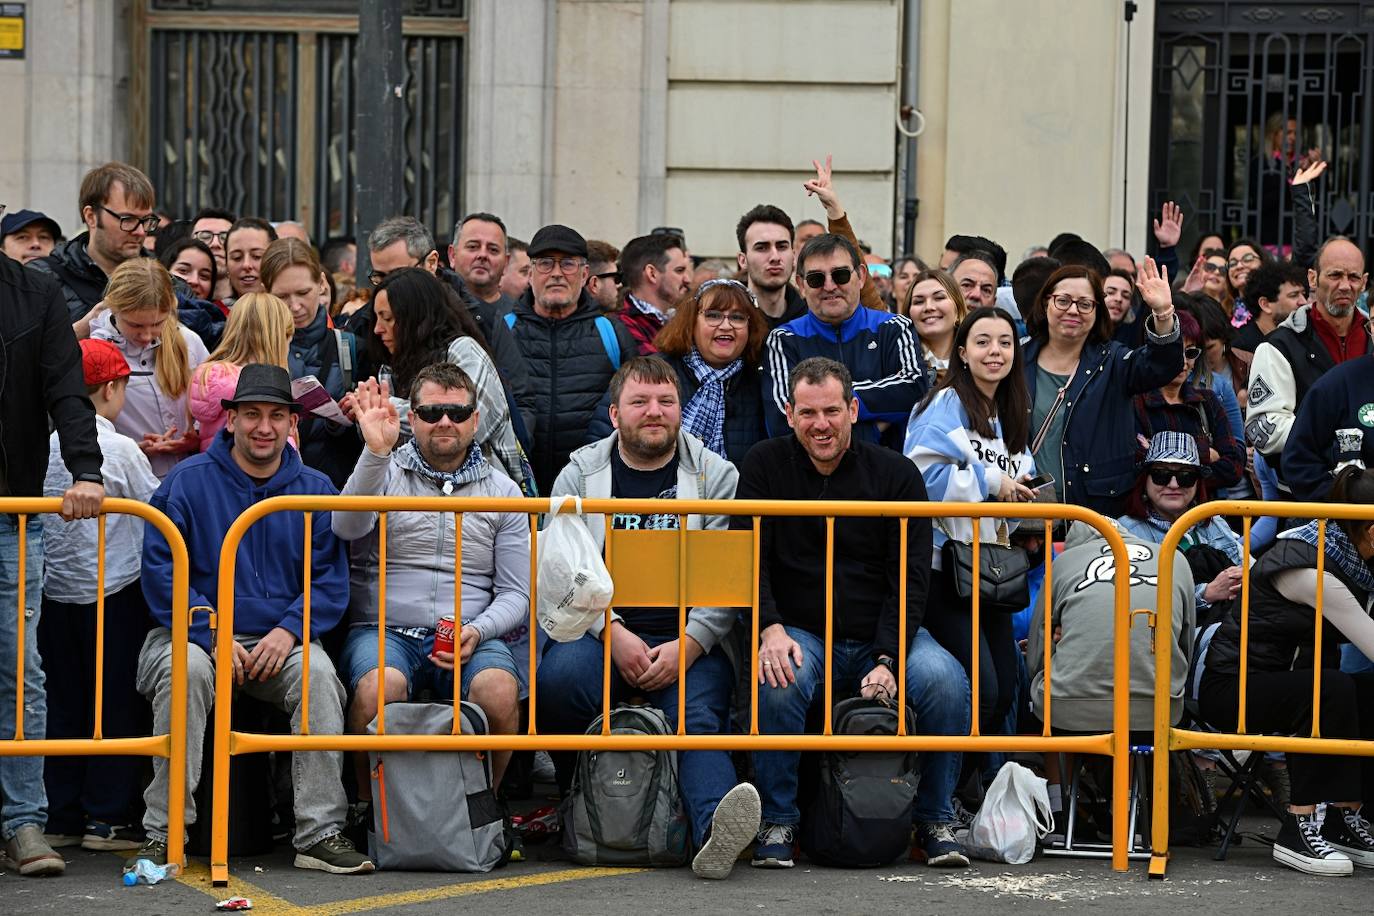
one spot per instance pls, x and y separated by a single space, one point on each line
102 362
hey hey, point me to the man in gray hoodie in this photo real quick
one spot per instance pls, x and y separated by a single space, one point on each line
441 460
650 457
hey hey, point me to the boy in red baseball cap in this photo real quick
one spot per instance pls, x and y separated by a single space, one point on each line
93 801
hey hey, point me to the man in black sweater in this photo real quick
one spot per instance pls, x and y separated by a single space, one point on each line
822 460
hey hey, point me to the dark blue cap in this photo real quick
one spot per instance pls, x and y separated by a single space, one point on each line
13 222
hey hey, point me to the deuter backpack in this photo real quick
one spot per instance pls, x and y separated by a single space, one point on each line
435 810
861 814
624 807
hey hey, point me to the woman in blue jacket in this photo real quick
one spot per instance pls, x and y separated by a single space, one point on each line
1082 383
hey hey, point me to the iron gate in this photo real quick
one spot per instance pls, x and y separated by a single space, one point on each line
1243 89
254 112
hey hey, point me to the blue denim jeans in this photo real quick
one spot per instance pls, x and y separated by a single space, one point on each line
570 685
23 799
936 689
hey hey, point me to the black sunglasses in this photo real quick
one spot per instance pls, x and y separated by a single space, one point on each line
816 278
433 413
1192 352
1162 476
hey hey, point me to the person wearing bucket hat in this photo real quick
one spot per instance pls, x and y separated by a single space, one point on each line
27 235
252 460
571 348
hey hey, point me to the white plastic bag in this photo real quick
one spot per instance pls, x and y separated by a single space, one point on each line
574 585
1015 814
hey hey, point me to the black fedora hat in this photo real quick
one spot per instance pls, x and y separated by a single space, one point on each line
260 383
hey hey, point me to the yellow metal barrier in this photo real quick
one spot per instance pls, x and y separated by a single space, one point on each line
171 745
682 569
1169 738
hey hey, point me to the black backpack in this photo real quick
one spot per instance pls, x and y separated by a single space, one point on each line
861 815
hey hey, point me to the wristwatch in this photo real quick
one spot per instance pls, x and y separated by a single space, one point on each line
90 477
888 662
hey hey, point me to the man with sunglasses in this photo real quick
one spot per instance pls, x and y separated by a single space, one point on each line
117 207
879 349
440 460
1313 340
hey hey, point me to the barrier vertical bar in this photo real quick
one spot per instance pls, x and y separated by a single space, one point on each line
224 684
458 621
381 623
1244 628
176 730
1121 702
902 525
829 617
1317 638
1159 817
23 606
307 571
534 618
758 637
607 520
99 626
975 716
681 625
1046 593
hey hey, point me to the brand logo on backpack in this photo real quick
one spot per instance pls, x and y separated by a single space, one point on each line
621 779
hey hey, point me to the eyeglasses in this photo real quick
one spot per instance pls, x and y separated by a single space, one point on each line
433 413
1162 476
714 317
839 276
1245 260
608 275
564 265
206 236
1192 352
1213 268
1065 302
128 222
377 276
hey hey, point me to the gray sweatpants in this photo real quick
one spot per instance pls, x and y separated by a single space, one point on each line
321 805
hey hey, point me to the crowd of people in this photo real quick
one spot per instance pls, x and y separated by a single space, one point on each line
205 364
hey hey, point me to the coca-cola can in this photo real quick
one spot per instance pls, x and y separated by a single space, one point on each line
443 634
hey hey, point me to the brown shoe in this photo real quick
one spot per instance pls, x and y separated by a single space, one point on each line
29 854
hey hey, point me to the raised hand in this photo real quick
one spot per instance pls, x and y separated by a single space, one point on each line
1153 283
376 416
824 189
1310 172
1194 282
1169 226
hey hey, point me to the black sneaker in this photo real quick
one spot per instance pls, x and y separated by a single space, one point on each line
774 846
154 850
335 854
938 848
1301 846
104 837
1346 830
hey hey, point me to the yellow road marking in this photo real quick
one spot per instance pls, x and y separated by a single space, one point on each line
197 877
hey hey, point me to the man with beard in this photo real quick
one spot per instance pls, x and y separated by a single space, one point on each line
1313 340
650 457
656 273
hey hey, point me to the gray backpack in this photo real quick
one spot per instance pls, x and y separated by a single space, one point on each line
624 807
434 810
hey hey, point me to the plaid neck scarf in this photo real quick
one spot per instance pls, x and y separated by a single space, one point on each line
1340 551
472 470
704 414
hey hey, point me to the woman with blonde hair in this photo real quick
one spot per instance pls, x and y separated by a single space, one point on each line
259 330
936 307
141 320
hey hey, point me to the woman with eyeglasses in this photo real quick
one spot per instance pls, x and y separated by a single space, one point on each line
259 330
936 307
141 319
970 439
419 322
1242 258
1187 406
715 342
1083 430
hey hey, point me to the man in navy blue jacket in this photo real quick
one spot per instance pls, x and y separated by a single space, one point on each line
879 349
249 462
1334 426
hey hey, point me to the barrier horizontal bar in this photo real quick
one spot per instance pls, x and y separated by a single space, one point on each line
155 746
1182 739
253 743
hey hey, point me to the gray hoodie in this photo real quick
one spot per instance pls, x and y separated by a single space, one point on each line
701 474
1084 583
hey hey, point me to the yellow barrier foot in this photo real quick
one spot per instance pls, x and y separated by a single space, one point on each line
1158 863
219 874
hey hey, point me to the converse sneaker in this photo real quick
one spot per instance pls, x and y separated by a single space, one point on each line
732 828
1301 846
335 854
1346 830
773 846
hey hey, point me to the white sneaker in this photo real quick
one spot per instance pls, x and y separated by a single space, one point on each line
732 830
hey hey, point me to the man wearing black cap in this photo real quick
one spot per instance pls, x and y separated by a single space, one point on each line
27 235
571 348
250 461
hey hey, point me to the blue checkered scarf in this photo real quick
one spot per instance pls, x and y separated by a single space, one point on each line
704 415
1340 551
473 469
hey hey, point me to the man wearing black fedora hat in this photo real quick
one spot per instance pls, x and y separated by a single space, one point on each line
250 461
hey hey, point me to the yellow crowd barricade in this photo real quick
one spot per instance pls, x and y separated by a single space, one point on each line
1169 738
171 745
675 568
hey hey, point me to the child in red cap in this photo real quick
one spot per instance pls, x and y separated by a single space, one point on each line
93 800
